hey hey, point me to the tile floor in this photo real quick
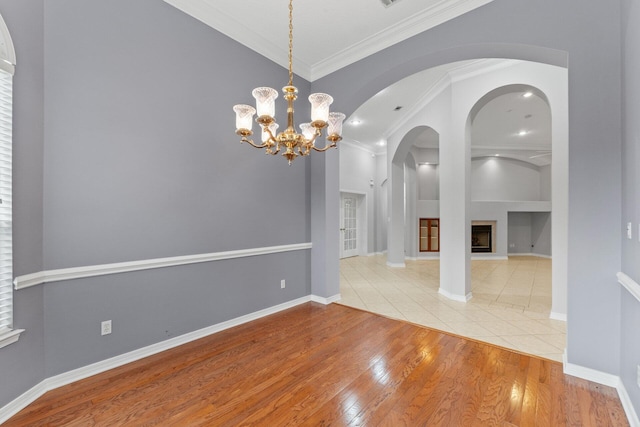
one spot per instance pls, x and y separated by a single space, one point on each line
510 305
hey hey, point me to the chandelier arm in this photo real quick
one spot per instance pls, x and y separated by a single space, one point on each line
333 144
248 141
277 150
304 150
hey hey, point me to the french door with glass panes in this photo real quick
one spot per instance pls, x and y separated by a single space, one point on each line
348 226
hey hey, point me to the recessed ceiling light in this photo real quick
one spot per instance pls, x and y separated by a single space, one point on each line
523 132
527 94
497 155
355 122
381 143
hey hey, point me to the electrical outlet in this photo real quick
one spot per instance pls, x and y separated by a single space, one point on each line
282 284
105 327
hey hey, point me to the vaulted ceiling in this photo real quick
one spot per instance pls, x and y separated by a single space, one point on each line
331 34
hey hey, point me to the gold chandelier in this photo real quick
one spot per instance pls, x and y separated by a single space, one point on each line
294 144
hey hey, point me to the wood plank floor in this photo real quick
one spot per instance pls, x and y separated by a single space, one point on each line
316 365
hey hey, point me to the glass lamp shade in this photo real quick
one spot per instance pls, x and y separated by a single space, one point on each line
273 127
335 124
307 130
265 101
244 116
320 106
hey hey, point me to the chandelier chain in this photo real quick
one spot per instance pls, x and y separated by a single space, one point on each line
290 42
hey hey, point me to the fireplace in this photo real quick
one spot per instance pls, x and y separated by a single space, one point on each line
481 238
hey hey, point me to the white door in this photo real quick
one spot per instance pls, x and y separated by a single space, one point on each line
348 226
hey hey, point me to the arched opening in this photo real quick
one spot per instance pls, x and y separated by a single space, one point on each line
465 90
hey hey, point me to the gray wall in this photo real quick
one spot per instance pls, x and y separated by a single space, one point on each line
22 364
428 182
630 310
123 111
553 33
141 161
530 232
541 233
504 179
519 232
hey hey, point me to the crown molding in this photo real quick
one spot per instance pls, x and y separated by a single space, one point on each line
428 18
363 147
479 67
206 12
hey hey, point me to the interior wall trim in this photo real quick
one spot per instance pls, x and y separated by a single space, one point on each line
48 276
607 379
631 285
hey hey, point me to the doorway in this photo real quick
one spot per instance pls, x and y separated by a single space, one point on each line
352 224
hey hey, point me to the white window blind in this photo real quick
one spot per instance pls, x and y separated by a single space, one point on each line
6 243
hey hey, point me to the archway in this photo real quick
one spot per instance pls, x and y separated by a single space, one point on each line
325 263
464 97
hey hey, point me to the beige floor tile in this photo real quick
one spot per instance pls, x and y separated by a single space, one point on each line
530 344
502 328
510 307
557 340
421 317
469 329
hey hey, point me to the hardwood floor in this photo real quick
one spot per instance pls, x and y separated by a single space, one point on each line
316 365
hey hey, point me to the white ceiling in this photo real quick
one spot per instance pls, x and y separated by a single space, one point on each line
331 34
328 34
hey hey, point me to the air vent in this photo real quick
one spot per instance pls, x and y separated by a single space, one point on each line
388 3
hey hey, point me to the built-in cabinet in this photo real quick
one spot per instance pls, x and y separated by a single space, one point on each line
429 234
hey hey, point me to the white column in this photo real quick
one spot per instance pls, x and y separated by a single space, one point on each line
455 222
395 227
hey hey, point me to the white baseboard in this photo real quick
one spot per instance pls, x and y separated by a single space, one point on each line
326 301
531 254
396 264
558 316
489 257
454 297
69 377
609 380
